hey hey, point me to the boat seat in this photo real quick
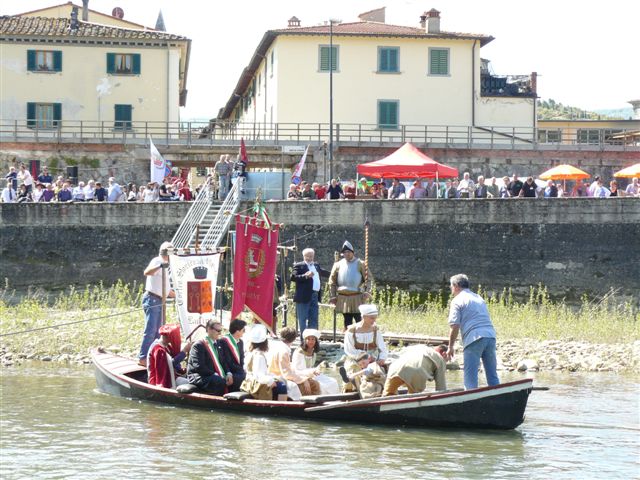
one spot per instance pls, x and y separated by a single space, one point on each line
186 388
239 396
340 397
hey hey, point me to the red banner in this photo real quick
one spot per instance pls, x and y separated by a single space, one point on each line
254 268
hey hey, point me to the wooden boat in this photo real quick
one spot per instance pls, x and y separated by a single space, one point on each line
498 407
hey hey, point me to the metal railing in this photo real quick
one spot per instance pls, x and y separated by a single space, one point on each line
188 228
218 228
193 134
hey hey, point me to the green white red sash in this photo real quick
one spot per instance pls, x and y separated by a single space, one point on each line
213 353
233 346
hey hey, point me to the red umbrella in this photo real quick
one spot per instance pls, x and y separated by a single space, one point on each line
406 162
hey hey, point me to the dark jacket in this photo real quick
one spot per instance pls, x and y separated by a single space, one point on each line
304 285
200 369
230 364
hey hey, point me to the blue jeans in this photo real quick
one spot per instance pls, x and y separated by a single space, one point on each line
152 307
485 349
307 313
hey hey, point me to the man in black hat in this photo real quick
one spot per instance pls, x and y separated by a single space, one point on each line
349 285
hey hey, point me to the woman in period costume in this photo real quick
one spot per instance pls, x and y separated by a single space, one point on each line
304 361
259 382
280 366
164 358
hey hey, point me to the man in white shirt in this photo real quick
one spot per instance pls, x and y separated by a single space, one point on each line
114 191
633 189
78 193
90 191
25 177
466 186
8 193
152 299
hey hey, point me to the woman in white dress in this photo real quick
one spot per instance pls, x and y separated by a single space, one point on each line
304 361
256 366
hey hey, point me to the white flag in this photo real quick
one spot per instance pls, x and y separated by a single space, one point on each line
157 164
297 174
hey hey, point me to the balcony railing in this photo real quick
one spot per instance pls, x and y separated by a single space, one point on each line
202 134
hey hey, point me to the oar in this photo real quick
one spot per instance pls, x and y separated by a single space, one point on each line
540 389
379 400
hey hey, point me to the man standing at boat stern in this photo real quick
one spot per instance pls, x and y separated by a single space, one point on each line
469 314
152 299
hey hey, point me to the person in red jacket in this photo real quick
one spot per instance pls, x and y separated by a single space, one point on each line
163 361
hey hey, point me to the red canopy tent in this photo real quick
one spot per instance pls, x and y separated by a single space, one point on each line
406 162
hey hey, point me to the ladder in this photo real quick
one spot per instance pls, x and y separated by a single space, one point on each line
207 221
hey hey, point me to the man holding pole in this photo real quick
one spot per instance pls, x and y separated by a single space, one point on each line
349 285
153 301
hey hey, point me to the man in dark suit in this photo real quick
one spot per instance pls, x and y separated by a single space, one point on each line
307 275
233 350
205 368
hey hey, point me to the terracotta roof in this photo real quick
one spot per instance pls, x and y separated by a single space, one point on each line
60 27
380 29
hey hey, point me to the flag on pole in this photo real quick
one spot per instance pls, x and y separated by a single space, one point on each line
158 165
297 173
243 152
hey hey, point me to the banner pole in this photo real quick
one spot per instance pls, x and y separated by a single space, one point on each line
336 257
164 293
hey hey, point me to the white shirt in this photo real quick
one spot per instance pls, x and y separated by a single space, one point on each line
26 177
316 276
8 195
89 192
259 368
37 195
78 193
150 195
366 338
154 282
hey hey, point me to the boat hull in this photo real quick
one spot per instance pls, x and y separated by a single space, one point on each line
499 407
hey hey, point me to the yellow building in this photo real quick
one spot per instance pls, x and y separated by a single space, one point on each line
112 75
593 132
385 76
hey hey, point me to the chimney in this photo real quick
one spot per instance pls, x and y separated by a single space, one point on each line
85 10
433 21
636 108
423 20
74 19
294 22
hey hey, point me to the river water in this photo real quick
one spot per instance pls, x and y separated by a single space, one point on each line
55 424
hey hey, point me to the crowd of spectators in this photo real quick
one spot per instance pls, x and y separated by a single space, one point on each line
505 187
21 187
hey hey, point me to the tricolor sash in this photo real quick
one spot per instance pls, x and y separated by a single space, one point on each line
213 353
233 346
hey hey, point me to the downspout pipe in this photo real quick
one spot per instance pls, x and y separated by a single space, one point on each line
473 84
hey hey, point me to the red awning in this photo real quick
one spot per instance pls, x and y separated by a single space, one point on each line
406 162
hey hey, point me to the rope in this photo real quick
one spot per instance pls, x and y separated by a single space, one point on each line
295 238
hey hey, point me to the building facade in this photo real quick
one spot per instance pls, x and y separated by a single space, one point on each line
385 76
111 77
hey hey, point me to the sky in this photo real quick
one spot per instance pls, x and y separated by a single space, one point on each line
583 50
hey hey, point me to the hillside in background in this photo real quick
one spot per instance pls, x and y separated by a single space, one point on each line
551 110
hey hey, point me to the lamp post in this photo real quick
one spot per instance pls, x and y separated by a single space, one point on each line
331 22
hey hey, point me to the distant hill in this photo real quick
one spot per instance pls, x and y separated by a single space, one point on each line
552 110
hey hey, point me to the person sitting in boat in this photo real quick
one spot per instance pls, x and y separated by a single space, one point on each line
280 366
261 384
417 365
369 379
205 368
304 361
165 356
364 337
233 349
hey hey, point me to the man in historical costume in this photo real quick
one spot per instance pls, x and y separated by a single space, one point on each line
152 299
415 366
349 285
163 361
468 314
205 368
233 352
306 275
363 337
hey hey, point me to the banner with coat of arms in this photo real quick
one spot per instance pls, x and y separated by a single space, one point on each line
194 279
254 267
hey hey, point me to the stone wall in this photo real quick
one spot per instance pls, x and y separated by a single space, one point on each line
573 246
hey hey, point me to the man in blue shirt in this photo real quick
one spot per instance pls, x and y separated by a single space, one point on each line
469 315
45 176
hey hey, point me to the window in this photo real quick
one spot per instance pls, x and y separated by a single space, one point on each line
123 63
44 60
388 114
549 136
43 115
588 135
122 115
438 61
325 52
388 59
272 60
201 171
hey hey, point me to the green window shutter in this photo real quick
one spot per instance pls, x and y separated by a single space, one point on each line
111 63
122 116
31 114
136 63
387 114
31 60
324 59
57 114
393 59
388 60
439 62
57 60
383 60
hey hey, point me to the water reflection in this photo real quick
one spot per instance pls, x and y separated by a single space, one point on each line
58 426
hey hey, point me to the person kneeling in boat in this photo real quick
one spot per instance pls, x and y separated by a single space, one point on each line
304 361
233 349
259 382
417 365
163 361
280 366
363 337
205 368
369 379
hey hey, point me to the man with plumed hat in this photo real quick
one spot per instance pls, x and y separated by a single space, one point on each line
349 285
